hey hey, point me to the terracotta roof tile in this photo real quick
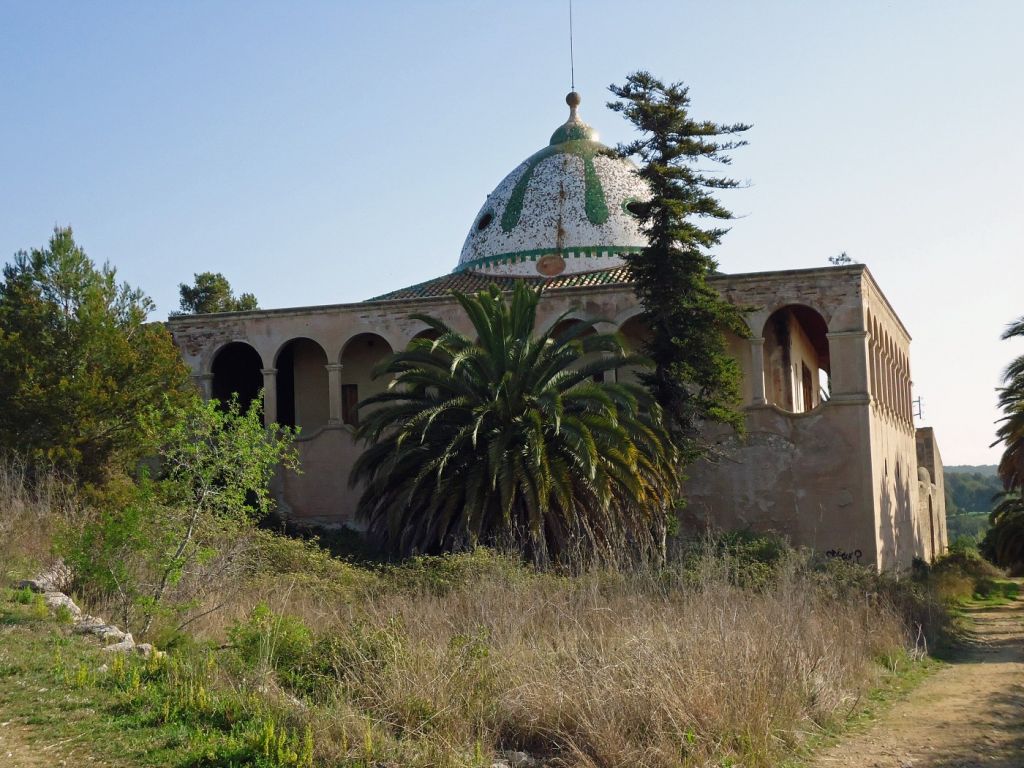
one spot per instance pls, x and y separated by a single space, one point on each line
472 282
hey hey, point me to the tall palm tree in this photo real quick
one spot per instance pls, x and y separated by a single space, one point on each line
1011 430
515 440
1004 542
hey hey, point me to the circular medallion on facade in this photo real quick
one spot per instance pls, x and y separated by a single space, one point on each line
551 265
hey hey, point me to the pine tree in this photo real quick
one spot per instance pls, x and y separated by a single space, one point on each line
212 292
695 380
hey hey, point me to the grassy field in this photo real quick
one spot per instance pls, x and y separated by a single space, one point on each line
742 651
456 661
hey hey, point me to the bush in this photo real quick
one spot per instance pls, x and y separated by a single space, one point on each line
271 641
143 539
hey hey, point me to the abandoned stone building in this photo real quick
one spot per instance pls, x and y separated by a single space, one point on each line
831 457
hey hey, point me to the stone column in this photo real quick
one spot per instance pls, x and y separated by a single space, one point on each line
757 370
334 392
269 395
204 382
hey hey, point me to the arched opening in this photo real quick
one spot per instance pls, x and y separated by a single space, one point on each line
427 333
303 397
358 359
237 370
796 359
635 334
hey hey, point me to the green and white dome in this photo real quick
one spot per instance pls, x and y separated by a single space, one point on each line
562 210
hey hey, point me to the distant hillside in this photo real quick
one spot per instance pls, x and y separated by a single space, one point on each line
986 470
970 489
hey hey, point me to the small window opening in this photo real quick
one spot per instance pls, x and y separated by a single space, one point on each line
485 221
349 403
637 208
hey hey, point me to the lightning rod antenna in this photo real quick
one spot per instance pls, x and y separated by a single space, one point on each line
572 63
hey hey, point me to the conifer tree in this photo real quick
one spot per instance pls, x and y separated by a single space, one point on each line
80 365
211 292
695 380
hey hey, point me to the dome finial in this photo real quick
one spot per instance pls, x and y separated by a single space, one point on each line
573 100
573 129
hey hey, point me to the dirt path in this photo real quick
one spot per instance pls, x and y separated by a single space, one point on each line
17 752
968 714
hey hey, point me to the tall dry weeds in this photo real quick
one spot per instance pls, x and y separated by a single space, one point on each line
447 661
597 670
34 503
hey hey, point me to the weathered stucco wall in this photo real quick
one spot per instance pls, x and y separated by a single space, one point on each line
792 473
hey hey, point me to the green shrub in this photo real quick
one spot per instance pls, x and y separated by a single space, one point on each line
23 596
271 641
965 561
441 574
744 557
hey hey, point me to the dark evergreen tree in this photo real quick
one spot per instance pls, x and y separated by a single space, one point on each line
212 293
80 367
694 379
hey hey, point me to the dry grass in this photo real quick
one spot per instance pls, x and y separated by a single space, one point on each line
597 670
449 661
32 507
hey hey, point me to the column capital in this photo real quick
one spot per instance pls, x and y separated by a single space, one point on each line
268 371
846 335
757 341
334 366
202 376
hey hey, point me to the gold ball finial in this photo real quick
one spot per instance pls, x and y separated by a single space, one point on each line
573 99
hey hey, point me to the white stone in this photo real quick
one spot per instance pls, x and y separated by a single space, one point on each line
57 600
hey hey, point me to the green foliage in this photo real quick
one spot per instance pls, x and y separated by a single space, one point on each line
1004 541
744 557
961 575
965 561
440 575
510 441
214 469
80 368
970 492
967 530
270 641
695 379
212 292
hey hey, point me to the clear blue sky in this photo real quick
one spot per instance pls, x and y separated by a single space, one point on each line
327 152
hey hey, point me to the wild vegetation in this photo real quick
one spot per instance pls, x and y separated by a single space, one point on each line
734 651
516 440
81 369
694 379
211 292
1004 541
971 494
